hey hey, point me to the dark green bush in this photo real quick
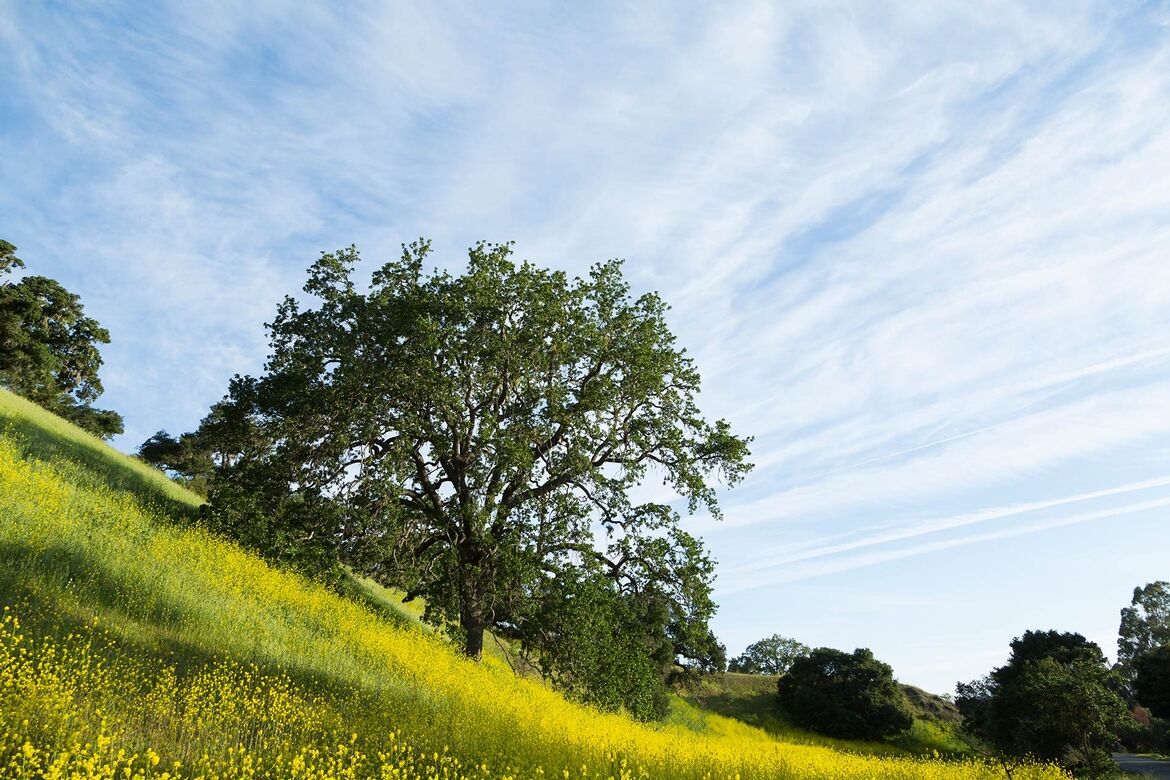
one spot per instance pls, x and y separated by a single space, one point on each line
1151 680
845 695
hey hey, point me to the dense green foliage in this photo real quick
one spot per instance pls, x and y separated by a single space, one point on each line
49 348
1145 624
847 695
770 655
462 437
599 646
222 440
1151 681
1055 699
603 646
181 458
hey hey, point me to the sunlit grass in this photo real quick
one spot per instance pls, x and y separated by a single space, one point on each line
135 645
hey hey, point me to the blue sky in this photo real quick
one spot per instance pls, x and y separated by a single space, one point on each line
921 251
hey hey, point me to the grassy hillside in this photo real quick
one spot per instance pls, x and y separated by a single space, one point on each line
930 706
134 645
751 699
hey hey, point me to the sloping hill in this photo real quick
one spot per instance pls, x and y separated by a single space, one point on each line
751 699
133 644
931 706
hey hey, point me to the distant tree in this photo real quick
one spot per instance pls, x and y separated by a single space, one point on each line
1151 680
1056 700
770 655
1060 646
472 431
846 695
1145 624
164 451
49 348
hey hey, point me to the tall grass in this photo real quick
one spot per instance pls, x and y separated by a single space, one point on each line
136 645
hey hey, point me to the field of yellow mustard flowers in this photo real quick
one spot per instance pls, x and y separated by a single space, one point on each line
135 646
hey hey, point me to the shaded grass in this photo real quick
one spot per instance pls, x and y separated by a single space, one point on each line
751 699
383 602
388 603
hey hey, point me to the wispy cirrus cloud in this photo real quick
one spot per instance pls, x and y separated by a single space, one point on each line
802 562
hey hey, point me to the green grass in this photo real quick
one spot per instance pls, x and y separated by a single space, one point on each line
44 436
388 603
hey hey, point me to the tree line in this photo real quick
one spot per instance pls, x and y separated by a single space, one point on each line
1057 698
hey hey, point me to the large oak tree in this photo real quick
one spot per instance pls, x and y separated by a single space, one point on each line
482 434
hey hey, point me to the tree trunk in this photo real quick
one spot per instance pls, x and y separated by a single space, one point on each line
473 649
471 617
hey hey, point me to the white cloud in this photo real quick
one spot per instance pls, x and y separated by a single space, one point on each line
1013 450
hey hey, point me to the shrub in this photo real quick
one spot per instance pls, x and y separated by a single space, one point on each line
845 695
600 647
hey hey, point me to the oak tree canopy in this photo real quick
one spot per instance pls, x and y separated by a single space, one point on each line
481 434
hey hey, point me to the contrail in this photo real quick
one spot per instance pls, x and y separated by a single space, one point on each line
848 564
950 522
1023 387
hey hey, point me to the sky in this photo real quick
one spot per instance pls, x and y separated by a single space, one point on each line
919 251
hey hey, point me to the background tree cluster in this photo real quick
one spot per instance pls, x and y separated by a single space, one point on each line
1145 626
49 348
473 439
1056 699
